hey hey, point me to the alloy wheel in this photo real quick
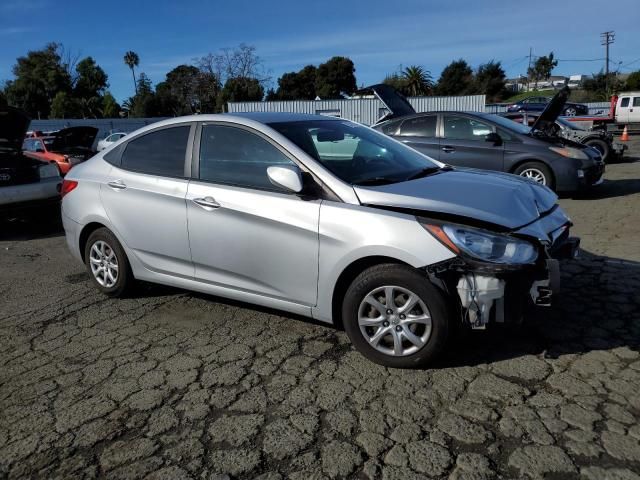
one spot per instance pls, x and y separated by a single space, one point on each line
570 112
104 264
394 320
535 175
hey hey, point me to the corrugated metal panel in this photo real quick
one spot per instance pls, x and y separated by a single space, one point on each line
362 110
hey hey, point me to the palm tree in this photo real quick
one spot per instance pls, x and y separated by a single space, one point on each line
418 80
132 60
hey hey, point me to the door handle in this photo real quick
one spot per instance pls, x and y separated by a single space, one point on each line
117 185
448 149
207 203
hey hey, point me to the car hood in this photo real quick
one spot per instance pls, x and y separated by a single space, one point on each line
552 111
13 127
394 101
74 137
499 199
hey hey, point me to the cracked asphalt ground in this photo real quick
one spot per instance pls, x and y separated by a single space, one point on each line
173 385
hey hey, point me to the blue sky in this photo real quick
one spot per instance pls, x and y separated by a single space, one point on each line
378 35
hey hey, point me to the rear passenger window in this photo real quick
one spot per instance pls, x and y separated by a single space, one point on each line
624 102
419 127
158 153
636 101
390 128
236 156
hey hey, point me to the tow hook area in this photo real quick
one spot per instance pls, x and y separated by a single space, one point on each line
478 294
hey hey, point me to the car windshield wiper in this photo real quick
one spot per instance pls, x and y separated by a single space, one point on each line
423 173
375 181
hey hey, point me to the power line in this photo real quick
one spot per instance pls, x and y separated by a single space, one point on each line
607 39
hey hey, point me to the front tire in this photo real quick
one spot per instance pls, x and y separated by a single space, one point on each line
395 317
536 171
107 263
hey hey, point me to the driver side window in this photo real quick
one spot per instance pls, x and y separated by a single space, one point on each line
465 128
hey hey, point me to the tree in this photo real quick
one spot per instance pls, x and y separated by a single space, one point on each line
39 76
110 107
633 81
334 77
455 79
64 106
89 87
396 80
241 89
418 81
132 60
144 103
490 80
542 68
602 87
297 85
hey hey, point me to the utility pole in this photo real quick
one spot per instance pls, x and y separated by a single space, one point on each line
529 67
607 39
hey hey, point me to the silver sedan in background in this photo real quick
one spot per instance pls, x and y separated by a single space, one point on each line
321 217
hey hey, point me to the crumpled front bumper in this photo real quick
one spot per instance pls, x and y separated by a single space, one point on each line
486 292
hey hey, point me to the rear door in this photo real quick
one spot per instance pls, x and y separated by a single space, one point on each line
420 133
634 111
622 110
144 197
245 233
464 143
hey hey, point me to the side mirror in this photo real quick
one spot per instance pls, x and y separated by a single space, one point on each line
494 138
288 177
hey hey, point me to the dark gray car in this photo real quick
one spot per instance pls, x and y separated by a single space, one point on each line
490 142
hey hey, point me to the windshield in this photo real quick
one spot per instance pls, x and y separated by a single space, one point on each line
507 124
356 154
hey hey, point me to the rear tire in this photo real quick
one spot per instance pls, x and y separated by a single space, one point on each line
416 330
536 171
107 263
601 146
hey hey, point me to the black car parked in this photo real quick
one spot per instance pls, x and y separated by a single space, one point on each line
491 142
599 139
538 104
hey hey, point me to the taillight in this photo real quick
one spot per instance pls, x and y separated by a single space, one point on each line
67 187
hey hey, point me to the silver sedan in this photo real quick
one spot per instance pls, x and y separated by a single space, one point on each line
321 217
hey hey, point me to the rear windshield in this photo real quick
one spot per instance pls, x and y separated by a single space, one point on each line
507 124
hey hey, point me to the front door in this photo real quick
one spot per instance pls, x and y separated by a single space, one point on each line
246 233
144 198
465 145
419 133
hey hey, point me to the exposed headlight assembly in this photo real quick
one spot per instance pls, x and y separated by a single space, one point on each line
484 245
570 152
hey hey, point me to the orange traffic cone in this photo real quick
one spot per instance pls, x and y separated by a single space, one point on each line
625 135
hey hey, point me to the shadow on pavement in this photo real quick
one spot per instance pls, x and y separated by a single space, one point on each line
612 189
31 227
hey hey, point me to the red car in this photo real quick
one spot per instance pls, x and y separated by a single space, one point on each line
65 148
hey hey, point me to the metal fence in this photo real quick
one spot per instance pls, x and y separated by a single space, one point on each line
362 110
595 108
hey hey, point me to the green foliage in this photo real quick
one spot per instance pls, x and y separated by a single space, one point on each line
145 102
297 85
396 80
490 80
633 81
542 68
110 107
241 89
91 80
39 76
418 81
65 106
132 60
334 77
455 79
603 86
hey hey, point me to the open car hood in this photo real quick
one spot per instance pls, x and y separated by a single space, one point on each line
394 101
552 111
74 137
13 127
499 199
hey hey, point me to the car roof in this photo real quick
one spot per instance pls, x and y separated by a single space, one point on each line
277 117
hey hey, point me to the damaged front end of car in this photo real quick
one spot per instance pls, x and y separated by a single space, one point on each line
498 276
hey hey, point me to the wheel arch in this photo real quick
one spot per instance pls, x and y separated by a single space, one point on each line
348 275
87 230
520 162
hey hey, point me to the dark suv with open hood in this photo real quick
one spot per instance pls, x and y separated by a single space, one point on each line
490 142
25 183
